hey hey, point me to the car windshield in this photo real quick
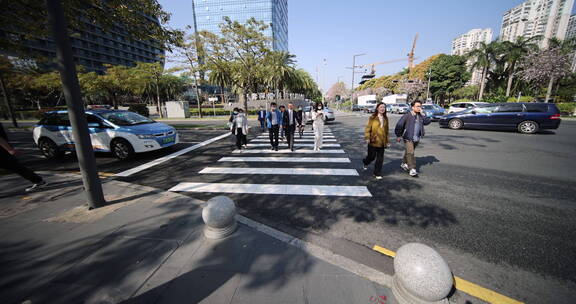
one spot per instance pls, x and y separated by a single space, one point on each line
306 109
126 118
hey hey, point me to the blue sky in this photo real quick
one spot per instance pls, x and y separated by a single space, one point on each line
383 29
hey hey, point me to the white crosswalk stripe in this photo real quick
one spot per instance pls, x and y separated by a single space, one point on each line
246 168
285 159
295 145
296 140
276 189
304 151
282 171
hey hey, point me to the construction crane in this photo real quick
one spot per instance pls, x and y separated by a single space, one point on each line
411 54
373 65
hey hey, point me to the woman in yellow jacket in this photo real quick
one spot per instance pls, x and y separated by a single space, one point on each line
376 135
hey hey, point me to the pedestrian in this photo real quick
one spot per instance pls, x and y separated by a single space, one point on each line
318 118
240 129
282 131
9 162
262 118
376 135
302 119
290 121
273 122
410 129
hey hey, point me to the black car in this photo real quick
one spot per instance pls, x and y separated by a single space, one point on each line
526 118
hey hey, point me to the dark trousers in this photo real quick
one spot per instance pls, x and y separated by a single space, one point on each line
240 138
290 129
262 124
273 133
11 164
378 154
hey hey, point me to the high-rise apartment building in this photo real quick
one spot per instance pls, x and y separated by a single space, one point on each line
571 31
545 18
469 41
209 14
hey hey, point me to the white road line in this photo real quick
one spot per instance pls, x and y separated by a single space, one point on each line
305 151
170 156
316 190
304 137
295 145
282 171
296 140
286 159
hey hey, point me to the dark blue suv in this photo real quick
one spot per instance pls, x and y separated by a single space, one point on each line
526 118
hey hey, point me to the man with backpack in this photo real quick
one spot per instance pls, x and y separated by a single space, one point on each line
410 129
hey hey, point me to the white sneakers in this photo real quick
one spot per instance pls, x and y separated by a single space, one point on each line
413 172
38 186
404 167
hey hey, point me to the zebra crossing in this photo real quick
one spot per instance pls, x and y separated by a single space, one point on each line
313 173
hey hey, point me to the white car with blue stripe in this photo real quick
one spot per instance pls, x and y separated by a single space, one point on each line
121 132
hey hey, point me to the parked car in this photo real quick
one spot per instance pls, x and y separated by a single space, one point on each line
526 118
306 112
433 111
461 106
369 108
121 132
356 108
400 108
388 108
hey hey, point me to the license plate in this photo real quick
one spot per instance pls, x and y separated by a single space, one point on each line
169 139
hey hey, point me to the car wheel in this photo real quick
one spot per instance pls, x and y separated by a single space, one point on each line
49 149
455 124
122 149
528 127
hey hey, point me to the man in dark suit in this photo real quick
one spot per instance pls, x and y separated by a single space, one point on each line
290 120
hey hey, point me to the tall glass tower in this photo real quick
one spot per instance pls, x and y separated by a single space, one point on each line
208 14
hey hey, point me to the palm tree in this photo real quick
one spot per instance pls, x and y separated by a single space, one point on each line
220 74
482 58
514 51
280 71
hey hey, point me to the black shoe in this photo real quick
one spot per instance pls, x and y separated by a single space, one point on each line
276 149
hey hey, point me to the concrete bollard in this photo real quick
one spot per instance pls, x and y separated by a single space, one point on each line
219 215
421 275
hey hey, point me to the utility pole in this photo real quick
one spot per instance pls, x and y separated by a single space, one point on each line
71 89
352 86
428 89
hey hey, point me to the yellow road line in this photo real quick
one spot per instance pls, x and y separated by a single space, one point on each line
384 251
470 288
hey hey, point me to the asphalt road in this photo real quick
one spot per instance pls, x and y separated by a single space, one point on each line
499 206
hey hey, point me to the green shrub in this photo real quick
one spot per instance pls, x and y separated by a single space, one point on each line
462 100
522 99
139 108
566 107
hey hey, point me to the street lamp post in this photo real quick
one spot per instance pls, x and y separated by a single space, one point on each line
428 88
352 86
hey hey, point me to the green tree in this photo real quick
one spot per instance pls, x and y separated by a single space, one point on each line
449 73
279 71
148 76
483 57
515 51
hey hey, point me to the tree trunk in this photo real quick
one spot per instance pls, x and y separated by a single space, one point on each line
549 92
482 84
7 103
509 86
245 101
158 100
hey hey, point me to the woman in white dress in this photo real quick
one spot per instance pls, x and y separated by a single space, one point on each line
318 118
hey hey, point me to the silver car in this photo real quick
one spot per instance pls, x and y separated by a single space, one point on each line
329 114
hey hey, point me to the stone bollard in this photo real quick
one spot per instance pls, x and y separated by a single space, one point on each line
219 215
421 275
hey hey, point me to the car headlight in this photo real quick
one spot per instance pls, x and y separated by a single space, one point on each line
145 136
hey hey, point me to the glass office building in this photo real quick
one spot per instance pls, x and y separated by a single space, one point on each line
208 14
93 47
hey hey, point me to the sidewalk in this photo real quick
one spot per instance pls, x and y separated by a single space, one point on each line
147 246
